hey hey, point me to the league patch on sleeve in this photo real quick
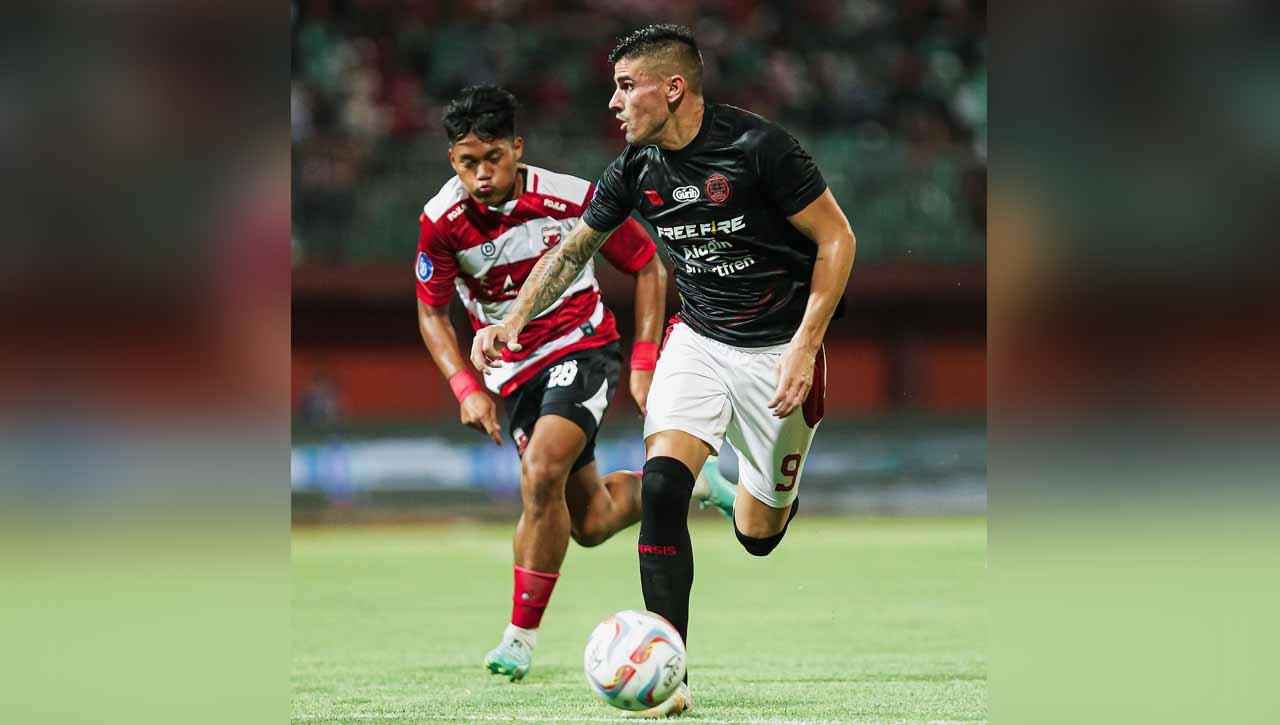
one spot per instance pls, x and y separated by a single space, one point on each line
424 268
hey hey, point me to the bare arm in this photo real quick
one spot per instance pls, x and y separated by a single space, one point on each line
651 300
477 410
441 340
824 222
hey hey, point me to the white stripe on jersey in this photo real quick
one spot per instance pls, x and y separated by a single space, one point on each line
562 186
514 245
489 313
497 377
450 194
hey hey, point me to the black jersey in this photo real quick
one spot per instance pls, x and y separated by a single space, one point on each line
720 204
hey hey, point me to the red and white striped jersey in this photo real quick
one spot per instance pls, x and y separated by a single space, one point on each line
486 253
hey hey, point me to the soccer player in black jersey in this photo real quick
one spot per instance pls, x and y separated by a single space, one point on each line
762 253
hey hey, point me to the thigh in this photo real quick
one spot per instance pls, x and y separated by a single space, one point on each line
771 451
554 446
688 394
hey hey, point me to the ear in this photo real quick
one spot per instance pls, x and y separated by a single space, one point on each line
676 87
517 147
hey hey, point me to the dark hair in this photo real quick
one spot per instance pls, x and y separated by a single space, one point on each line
674 41
488 111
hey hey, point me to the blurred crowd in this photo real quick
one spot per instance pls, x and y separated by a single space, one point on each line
889 95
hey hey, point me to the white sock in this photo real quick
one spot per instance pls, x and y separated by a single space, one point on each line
527 636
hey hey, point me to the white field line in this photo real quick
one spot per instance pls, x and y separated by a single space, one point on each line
530 718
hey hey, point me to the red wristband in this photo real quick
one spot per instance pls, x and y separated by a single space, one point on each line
463 384
644 356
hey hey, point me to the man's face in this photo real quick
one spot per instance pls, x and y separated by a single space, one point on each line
639 100
487 168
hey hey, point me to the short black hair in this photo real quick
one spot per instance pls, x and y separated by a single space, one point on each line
486 110
674 41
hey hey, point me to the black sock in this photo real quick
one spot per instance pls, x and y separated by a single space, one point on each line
666 556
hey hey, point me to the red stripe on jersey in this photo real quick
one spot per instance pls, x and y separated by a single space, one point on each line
605 334
572 313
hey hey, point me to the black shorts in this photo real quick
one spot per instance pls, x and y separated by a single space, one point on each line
578 386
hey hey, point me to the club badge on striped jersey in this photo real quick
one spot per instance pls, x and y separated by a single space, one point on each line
551 235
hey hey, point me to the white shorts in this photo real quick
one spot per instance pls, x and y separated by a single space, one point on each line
709 390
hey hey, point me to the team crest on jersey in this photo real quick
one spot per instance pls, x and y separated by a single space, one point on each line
489 250
551 235
718 189
423 268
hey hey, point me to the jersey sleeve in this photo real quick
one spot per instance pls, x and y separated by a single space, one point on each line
434 268
791 179
611 201
629 248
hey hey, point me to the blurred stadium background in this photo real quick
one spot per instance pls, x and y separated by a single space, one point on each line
890 97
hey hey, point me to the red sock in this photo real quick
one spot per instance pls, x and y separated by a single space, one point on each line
532 594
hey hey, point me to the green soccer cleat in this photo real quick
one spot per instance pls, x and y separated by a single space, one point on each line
511 658
712 490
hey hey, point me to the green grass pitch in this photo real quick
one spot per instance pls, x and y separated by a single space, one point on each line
850 620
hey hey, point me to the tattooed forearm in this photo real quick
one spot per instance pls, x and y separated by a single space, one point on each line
553 274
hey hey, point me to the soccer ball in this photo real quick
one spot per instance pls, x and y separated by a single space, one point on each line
634 660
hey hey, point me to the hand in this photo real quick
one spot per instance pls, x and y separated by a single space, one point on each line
479 413
795 377
486 348
640 382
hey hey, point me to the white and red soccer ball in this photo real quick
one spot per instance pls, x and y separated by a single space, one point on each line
634 660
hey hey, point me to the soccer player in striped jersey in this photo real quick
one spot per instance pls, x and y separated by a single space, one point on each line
480 237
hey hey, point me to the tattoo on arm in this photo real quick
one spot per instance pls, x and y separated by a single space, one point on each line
553 274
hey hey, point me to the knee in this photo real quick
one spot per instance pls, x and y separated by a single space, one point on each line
586 538
542 482
763 545
759 546
667 485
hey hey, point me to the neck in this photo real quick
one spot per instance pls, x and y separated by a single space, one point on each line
683 126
